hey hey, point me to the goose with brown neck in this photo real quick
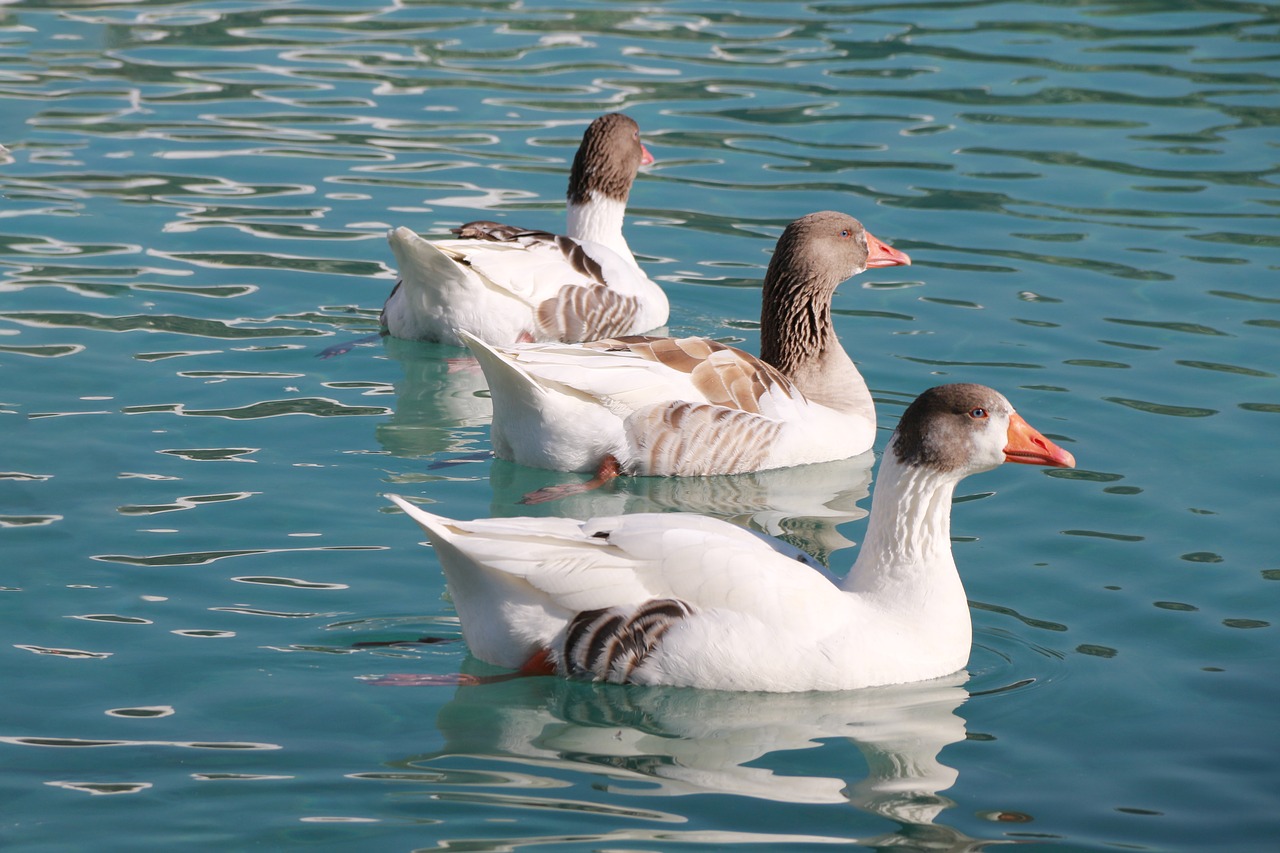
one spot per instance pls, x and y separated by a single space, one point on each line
796 333
693 406
504 284
681 599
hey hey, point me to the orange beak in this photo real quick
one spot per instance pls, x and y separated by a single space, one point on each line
645 157
883 255
1028 446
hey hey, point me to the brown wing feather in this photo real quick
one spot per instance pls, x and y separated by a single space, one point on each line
496 232
697 439
608 645
726 375
570 249
585 314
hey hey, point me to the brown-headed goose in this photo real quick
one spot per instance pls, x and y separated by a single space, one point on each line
502 284
680 599
692 406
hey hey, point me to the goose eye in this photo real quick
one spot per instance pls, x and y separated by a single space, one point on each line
844 233
977 413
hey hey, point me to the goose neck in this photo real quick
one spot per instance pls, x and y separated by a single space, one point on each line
906 554
798 338
795 321
599 220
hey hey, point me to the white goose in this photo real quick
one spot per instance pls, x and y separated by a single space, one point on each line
503 284
691 601
692 406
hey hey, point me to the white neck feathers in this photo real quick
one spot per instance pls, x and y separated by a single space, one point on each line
906 555
599 219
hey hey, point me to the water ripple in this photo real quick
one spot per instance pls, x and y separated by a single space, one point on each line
193 198
318 407
78 743
203 558
195 326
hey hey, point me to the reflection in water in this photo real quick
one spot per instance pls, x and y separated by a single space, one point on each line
1090 188
652 741
442 392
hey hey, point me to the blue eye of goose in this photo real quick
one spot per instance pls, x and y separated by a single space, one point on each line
978 413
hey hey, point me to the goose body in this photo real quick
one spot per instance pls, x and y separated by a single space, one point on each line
686 600
693 406
504 284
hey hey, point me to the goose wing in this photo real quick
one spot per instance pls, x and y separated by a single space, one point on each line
626 560
632 372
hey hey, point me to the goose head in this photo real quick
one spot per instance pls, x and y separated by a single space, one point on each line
964 428
608 160
822 249
948 433
813 256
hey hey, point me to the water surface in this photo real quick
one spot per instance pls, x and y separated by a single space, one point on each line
198 558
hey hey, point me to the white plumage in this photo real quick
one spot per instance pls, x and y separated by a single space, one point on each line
686 600
565 408
505 284
693 406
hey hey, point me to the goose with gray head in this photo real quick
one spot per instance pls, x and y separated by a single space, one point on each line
693 406
504 284
686 600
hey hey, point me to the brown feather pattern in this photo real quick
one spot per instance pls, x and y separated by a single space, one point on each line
696 439
572 251
578 258
608 645
585 313
576 312
727 376
493 232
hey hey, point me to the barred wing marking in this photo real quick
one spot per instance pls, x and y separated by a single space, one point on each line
494 232
557 247
585 308
608 645
695 439
579 313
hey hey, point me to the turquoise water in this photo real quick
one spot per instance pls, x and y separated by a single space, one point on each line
198 562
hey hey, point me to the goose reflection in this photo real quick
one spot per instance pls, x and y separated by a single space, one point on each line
653 741
440 400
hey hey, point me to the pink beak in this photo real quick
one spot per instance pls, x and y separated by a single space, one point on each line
883 255
1028 446
645 157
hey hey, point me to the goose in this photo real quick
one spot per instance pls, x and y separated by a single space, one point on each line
693 406
504 284
684 600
